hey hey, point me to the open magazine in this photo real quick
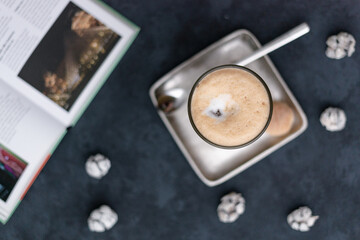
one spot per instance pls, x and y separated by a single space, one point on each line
54 57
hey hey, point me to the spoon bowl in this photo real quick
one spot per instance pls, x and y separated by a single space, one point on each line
169 100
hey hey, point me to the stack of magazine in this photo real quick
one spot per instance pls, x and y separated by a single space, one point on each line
54 57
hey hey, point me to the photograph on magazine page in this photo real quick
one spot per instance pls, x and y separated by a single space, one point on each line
11 168
68 56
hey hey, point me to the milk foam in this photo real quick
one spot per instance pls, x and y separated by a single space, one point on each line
221 107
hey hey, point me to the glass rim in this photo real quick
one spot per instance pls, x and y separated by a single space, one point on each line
213 70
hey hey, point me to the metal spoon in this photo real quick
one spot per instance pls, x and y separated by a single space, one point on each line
278 42
170 100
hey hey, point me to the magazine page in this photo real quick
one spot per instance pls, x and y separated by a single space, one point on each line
27 136
58 53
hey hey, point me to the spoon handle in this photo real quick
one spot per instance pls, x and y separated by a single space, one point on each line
276 43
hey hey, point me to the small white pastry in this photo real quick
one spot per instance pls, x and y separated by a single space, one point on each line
340 45
97 166
301 219
231 207
102 219
333 119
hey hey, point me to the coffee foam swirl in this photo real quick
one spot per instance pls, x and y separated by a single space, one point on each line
221 107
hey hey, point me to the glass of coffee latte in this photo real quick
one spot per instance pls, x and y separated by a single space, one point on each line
230 106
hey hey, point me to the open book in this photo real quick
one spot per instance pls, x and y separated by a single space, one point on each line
54 57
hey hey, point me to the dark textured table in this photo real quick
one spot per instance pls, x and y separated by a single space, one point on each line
153 188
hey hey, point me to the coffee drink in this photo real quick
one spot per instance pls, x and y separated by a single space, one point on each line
230 106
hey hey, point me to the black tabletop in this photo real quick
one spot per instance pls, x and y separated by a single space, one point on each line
151 185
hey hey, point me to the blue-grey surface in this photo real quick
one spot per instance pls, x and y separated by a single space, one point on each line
152 187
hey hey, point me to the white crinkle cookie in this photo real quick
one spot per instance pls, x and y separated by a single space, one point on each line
301 219
97 166
340 45
102 219
333 119
231 207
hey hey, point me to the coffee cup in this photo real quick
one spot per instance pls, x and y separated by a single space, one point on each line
230 106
